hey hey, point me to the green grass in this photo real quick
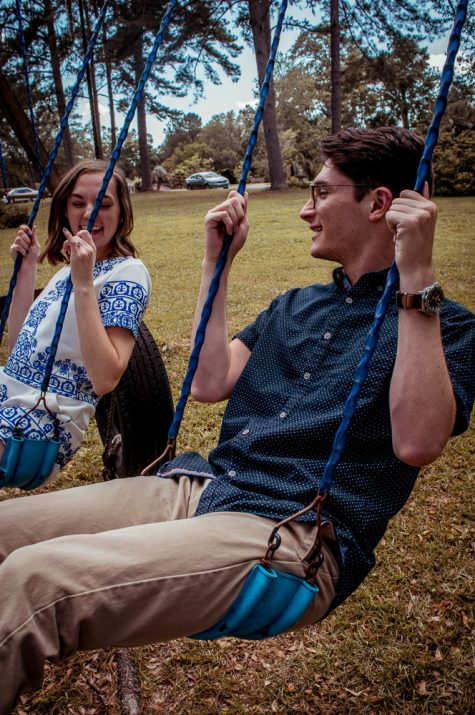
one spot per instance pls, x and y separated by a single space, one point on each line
403 643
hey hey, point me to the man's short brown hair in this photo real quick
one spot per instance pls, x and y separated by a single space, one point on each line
387 156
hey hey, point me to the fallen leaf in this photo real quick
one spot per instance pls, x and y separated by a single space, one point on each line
422 687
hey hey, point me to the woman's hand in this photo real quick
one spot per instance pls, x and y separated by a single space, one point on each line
229 217
82 257
26 244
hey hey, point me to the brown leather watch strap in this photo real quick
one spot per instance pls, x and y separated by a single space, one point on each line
408 300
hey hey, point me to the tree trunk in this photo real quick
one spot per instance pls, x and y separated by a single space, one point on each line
335 66
58 82
110 90
19 122
404 110
145 169
259 16
91 85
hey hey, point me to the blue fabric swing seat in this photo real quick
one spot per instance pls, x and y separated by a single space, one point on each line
269 603
27 462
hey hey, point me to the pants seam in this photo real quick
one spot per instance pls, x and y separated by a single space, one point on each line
113 587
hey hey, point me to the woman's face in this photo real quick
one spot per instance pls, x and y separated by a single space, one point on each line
80 204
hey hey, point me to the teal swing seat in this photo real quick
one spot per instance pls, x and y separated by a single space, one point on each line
27 462
269 603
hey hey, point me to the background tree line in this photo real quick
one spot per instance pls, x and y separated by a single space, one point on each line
354 62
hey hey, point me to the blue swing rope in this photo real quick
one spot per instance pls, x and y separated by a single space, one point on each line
214 285
107 176
27 462
51 160
371 341
28 88
270 601
360 377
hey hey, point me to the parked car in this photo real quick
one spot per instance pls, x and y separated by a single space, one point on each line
22 193
207 180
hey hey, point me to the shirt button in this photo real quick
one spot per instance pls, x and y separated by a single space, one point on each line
283 415
231 473
327 336
306 376
245 431
380 289
349 300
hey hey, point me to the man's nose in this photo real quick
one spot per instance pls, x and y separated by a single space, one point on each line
307 211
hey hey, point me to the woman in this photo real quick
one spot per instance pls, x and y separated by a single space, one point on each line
110 293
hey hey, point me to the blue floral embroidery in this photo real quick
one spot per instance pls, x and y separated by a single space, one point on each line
122 304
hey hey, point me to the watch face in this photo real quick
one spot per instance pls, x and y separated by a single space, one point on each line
432 299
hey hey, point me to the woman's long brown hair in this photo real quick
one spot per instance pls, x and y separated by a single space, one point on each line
121 244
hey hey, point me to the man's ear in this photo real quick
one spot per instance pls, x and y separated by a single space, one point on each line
381 201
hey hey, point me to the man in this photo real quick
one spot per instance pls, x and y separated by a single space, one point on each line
122 563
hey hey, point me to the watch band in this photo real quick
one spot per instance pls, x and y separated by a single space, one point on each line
409 300
427 301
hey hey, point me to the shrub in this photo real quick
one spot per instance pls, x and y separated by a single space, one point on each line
13 216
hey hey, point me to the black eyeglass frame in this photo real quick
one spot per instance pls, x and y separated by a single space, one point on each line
314 185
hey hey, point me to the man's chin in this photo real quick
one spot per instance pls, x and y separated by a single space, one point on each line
316 250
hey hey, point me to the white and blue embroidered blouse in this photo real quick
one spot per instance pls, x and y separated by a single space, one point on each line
122 286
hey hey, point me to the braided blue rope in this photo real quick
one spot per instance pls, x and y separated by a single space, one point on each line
221 262
28 89
392 277
51 159
4 170
105 182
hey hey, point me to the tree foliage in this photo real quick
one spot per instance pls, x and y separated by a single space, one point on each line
386 78
198 46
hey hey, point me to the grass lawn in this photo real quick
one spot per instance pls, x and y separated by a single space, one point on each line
403 643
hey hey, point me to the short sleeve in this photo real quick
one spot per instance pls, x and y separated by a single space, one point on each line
458 338
124 297
250 334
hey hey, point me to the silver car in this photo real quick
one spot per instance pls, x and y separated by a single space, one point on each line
22 193
207 180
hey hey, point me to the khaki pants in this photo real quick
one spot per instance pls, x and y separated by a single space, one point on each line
121 564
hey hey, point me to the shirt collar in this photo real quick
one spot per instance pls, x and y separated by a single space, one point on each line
368 283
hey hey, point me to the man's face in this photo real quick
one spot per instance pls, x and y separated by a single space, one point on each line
337 220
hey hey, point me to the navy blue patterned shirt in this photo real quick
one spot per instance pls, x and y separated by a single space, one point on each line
281 419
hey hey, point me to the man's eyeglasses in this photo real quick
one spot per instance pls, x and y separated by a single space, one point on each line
318 190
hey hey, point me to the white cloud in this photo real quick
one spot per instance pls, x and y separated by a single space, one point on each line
438 60
249 103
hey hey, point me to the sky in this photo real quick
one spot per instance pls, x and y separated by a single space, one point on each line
231 95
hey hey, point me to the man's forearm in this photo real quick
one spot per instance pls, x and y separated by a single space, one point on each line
422 401
210 383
